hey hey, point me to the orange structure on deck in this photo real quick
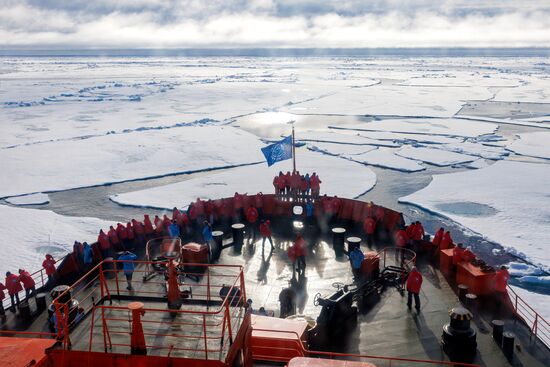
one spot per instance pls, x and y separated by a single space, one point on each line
479 283
281 343
318 362
23 352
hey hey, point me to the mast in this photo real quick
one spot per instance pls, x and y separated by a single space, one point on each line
293 150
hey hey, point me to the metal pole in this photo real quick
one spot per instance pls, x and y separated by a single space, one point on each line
293 150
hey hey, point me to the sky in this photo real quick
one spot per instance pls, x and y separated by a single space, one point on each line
83 24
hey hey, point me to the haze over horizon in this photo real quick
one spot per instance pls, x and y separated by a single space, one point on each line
34 24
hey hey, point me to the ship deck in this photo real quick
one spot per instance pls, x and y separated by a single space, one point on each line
388 329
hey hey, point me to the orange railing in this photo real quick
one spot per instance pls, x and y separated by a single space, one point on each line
402 258
302 351
538 326
40 279
214 329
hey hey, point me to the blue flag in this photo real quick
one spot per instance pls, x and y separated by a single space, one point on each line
278 151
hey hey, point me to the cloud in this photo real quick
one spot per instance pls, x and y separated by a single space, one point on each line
272 23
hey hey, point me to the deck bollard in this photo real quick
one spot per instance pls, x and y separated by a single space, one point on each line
338 235
353 242
508 344
471 300
41 302
498 328
462 292
238 236
25 311
218 245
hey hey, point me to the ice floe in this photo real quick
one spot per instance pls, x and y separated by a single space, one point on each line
32 233
475 149
339 177
537 301
32 199
427 126
436 157
340 149
507 202
121 157
343 138
533 145
386 158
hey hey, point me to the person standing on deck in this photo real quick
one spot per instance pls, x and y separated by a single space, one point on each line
87 256
356 257
147 225
265 231
438 237
314 183
252 219
2 296
14 287
49 265
370 228
207 234
414 282
104 244
174 229
301 250
113 238
28 283
446 241
128 266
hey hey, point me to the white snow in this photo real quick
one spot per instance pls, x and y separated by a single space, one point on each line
517 269
533 145
341 137
340 149
32 199
386 158
32 233
475 149
507 202
437 157
432 126
477 164
392 100
539 302
119 157
418 138
339 177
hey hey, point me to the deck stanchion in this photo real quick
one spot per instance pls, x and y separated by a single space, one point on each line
204 334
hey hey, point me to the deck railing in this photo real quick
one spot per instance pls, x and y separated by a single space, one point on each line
40 279
538 326
300 350
199 331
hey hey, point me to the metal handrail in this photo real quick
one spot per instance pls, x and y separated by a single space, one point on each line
303 351
537 325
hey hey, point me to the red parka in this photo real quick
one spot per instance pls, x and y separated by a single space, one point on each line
113 236
468 256
251 214
121 232
13 284
414 281
265 231
446 241
130 231
457 255
418 233
139 230
27 280
438 237
49 265
300 244
401 238
2 294
103 240
369 226
147 225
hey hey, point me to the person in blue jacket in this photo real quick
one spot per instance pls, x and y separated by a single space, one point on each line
356 257
128 266
174 230
87 256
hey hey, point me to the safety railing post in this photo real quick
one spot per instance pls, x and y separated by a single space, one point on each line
91 329
42 276
229 331
207 288
66 338
115 269
101 280
243 288
204 334
535 325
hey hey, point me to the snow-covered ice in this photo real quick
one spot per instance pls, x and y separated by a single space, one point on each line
517 269
533 145
32 233
120 157
340 149
386 158
437 157
32 199
537 301
475 149
432 126
339 177
342 137
507 202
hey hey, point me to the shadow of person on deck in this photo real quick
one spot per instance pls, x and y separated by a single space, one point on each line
264 266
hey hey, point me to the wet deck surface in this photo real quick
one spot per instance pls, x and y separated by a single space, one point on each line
388 329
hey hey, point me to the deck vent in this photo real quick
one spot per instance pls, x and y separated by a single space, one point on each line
459 339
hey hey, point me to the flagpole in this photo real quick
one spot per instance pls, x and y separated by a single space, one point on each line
293 150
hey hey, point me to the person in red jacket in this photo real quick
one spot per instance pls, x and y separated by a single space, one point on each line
401 238
457 254
2 296
252 219
468 255
159 228
265 231
28 283
147 225
418 234
238 207
288 183
446 241
501 282
301 251
104 243
14 287
303 187
438 237
314 183
139 232
411 229
369 225
113 237
259 204
276 185
122 235
131 232
414 283
281 183
49 265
